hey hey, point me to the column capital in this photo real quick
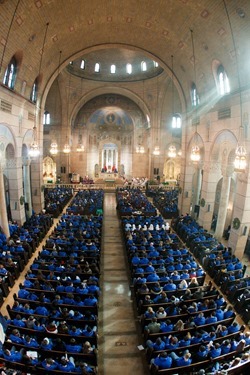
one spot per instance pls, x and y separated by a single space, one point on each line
26 161
227 171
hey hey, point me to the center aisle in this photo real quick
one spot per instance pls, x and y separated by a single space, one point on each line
118 336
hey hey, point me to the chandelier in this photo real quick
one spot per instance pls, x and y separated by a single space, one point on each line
80 147
240 161
53 148
66 147
34 147
195 153
156 151
140 149
172 151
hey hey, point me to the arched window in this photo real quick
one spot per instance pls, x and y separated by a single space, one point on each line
97 67
223 81
33 95
46 118
143 66
176 121
82 66
10 74
112 69
194 96
129 68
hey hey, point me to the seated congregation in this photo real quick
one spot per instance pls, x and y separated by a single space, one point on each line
187 326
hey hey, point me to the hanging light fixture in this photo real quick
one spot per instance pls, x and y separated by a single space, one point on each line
80 146
156 151
66 148
195 150
172 148
140 148
172 151
34 147
240 161
34 150
54 147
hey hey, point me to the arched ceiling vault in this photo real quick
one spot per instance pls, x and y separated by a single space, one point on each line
161 28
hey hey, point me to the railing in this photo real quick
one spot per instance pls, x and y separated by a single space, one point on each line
104 186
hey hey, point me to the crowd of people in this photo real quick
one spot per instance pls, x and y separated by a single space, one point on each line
52 323
187 324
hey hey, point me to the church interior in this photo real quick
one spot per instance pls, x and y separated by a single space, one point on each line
104 104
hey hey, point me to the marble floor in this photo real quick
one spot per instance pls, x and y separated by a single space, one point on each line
118 330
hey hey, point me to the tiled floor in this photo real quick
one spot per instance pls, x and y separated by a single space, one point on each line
118 352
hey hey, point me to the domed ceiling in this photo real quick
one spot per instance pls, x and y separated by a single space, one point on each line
128 65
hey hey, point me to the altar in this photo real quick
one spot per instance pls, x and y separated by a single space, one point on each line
108 176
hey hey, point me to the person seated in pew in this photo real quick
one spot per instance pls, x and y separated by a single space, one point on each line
15 337
66 364
183 285
179 325
219 314
202 353
73 346
186 341
166 326
150 313
11 355
18 321
234 327
87 348
212 318
153 326
49 364
169 286
228 312
161 313
30 342
200 319
214 350
162 361
221 330
225 347
198 294
180 361
89 331
187 295
46 344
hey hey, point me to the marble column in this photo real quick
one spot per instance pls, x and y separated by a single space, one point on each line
36 183
184 200
14 173
224 199
3 209
196 189
27 187
211 171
